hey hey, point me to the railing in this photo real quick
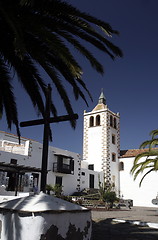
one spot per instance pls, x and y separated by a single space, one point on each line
64 168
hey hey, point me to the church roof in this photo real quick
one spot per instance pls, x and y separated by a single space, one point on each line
133 152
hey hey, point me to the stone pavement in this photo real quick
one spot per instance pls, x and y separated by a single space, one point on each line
138 223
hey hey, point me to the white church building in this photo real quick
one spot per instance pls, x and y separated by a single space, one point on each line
102 161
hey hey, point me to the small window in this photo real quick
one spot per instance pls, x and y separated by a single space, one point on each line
121 166
91 166
113 139
83 173
115 123
91 121
98 120
113 157
111 121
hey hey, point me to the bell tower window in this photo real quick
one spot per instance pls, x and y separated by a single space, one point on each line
98 120
111 121
115 123
91 121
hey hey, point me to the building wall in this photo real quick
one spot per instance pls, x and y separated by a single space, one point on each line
70 182
85 176
141 196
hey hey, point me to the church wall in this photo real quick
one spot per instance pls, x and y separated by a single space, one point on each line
141 196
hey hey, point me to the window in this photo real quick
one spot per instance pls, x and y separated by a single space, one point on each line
113 139
58 180
121 166
91 121
83 173
91 166
98 120
111 121
115 123
113 157
63 164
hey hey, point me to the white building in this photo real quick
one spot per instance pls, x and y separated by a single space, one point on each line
20 165
23 163
141 196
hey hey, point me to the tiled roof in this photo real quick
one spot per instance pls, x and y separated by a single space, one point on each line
132 152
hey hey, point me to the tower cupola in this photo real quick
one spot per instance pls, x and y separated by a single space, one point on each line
102 99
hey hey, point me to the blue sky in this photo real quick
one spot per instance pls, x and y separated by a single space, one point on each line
130 84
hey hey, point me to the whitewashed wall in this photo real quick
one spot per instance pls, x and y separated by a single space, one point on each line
141 196
20 226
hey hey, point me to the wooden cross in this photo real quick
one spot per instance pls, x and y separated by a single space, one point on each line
46 122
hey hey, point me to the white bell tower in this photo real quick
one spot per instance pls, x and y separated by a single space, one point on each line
101 141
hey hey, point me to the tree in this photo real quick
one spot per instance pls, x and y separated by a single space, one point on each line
151 158
38 34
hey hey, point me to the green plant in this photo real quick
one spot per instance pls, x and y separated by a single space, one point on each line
110 197
57 189
49 187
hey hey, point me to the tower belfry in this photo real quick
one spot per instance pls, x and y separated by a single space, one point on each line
101 141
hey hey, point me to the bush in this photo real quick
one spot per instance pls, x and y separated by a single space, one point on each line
110 197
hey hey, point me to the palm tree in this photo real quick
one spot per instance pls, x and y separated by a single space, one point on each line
151 157
38 34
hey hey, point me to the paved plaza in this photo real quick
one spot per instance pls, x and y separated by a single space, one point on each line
138 223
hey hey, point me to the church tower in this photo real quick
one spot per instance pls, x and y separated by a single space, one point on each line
101 141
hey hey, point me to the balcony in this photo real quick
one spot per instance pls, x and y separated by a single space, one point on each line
63 168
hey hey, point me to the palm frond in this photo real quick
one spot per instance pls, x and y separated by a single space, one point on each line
7 98
151 170
151 158
154 133
42 32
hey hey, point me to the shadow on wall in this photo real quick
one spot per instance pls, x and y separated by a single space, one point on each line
12 222
109 230
72 234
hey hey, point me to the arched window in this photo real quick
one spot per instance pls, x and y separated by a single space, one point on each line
98 120
91 121
121 166
115 123
111 121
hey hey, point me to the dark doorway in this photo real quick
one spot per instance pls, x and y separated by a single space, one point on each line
11 181
58 180
91 181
